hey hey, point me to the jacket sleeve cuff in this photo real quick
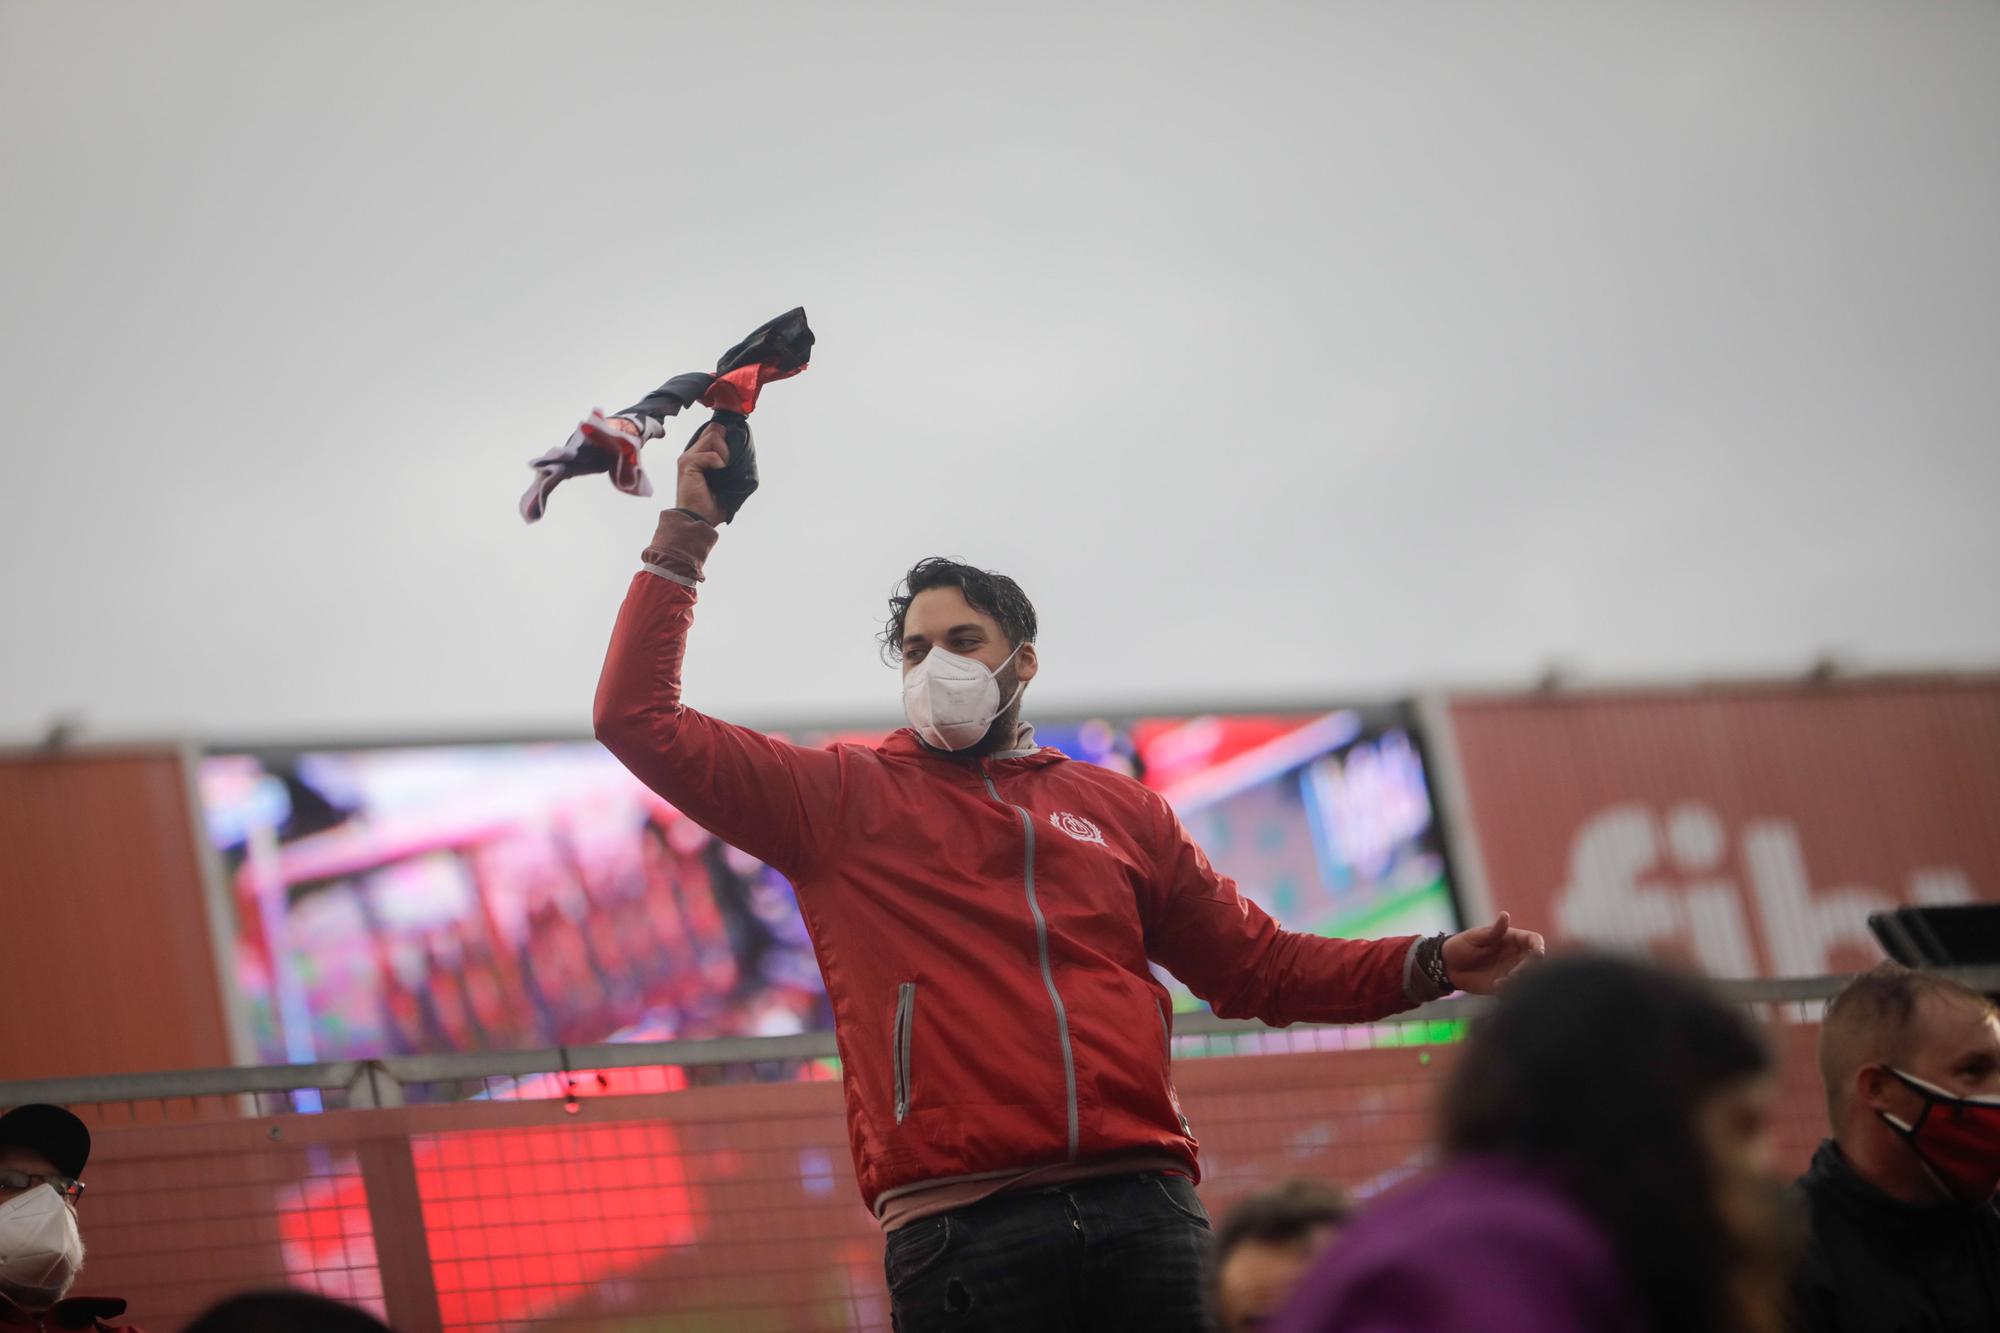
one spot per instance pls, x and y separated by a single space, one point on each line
1418 987
680 547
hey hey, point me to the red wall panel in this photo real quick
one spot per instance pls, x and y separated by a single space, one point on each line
110 963
1747 830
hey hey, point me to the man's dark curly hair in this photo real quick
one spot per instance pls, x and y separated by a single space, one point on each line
994 594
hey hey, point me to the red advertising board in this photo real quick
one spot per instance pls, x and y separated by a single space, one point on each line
1747 830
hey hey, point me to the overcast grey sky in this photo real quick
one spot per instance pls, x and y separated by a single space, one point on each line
1280 350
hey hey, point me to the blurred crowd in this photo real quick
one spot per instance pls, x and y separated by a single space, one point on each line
705 942
1604 1162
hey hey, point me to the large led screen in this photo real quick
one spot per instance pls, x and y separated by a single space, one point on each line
405 899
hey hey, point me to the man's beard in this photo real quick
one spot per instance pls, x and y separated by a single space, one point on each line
1000 735
38 1298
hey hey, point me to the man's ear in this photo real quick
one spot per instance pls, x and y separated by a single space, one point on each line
1876 1089
1026 664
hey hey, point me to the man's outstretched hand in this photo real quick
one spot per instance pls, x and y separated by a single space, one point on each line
709 451
1481 960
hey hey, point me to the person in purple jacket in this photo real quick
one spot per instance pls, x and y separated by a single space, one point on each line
1606 1167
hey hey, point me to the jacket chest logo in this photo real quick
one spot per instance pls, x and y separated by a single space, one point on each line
1077 827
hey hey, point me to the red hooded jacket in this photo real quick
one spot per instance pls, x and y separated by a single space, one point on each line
984 926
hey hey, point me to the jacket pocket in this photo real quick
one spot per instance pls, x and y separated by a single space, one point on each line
1167 1049
906 1013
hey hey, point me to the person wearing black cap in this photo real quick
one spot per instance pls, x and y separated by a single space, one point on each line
42 1154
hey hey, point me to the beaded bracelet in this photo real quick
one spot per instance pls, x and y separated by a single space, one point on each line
1430 961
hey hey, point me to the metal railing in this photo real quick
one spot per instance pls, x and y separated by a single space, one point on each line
382 1082
684 1184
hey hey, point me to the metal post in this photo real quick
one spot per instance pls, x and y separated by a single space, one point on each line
402 1248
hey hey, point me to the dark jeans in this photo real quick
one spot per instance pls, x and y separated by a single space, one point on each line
1122 1252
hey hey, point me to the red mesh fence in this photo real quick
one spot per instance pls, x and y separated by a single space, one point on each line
726 1208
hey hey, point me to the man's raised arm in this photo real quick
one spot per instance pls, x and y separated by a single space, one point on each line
778 802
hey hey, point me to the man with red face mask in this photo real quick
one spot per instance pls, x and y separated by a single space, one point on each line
1905 1227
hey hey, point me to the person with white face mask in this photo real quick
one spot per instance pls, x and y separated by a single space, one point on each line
984 912
43 1150
952 701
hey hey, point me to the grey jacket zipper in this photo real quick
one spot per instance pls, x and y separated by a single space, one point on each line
906 1005
1042 948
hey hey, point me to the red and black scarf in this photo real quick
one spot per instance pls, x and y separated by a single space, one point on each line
774 351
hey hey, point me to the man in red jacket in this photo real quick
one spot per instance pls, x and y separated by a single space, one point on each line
984 912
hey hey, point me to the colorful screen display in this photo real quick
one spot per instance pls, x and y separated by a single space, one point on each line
408 899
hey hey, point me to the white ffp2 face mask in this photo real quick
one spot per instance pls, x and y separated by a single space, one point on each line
951 700
41 1250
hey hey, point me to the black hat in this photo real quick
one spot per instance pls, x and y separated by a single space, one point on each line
51 1131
